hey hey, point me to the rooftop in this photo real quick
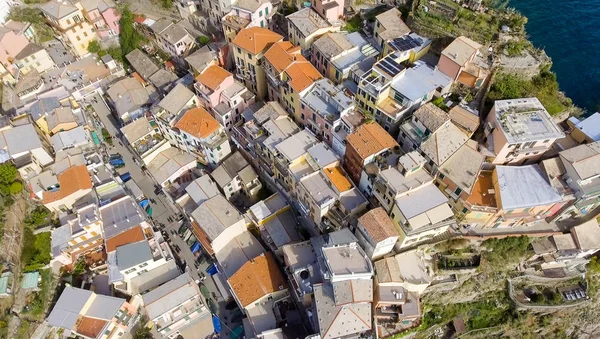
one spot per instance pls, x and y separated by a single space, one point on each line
250 5
378 224
335 320
347 259
322 155
176 99
71 181
307 21
406 267
296 145
120 216
328 100
258 277
213 76
268 207
301 75
142 63
442 144
198 123
163 79
170 295
393 24
587 235
229 169
132 235
133 254
338 178
417 81
237 252
168 162
525 120
370 139
425 206
333 44
28 50
431 116
463 167
281 228
19 139
585 160
256 39
282 54
201 58
316 185
461 50
215 215
400 183
202 189
174 33
128 94
523 187
590 125
58 9
464 118
136 129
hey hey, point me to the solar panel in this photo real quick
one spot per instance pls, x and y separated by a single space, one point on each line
406 43
390 66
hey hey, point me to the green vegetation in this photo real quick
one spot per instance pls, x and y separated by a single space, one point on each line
35 252
514 48
39 217
354 24
38 304
439 102
35 17
505 250
23 330
166 4
492 310
543 86
143 332
203 40
107 137
114 52
129 38
9 182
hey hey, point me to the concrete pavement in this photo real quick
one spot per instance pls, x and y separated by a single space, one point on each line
162 209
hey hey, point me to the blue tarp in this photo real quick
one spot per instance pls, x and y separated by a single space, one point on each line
144 203
212 269
216 324
195 247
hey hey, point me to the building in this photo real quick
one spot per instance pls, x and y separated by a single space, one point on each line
142 64
210 83
519 131
78 236
399 283
84 313
200 60
197 192
22 145
424 122
175 306
258 288
70 22
172 38
582 176
130 99
73 183
276 222
586 130
215 222
170 109
362 147
348 124
169 165
78 137
323 107
143 136
235 99
103 15
376 233
335 54
306 25
302 269
389 26
249 47
199 132
465 118
12 43
228 176
462 61
258 13
33 56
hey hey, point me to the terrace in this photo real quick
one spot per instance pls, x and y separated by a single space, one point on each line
148 143
525 120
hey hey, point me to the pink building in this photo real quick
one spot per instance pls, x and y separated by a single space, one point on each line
258 12
210 83
322 108
331 10
103 15
11 43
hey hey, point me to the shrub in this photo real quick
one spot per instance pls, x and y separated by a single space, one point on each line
16 187
94 47
203 40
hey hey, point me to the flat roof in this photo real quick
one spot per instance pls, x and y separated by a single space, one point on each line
120 216
425 201
237 252
347 259
215 215
523 187
133 254
296 145
525 120
170 295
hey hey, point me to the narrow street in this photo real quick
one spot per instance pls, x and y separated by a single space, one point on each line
162 210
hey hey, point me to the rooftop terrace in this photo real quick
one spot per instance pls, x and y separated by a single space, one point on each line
525 120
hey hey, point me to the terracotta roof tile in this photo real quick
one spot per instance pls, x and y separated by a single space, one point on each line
72 180
302 74
370 139
90 327
130 236
338 179
198 123
256 39
378 224
213 76
257 278
282 54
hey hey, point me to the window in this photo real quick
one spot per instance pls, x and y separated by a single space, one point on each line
78 38
249 56
465 210
143 265
33 57
441 176
458 191
267 11
260 13
68 21
262 24
239 50
84 33
302 105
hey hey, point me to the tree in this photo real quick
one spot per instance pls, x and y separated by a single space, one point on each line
94 47
16 187
130 38
8 173
143 333
37 217
202 40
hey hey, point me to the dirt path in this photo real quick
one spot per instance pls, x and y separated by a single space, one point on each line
10 246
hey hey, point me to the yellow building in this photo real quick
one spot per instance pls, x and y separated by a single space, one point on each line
249 47
69 21
306 25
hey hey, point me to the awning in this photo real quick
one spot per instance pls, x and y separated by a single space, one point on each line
195 247
212 269
144 203
216 324
149 210
95 138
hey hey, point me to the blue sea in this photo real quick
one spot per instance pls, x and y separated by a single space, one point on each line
569 31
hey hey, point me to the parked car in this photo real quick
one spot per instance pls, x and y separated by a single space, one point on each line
125 177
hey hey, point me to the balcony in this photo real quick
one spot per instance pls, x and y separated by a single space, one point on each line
273 80
148 143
